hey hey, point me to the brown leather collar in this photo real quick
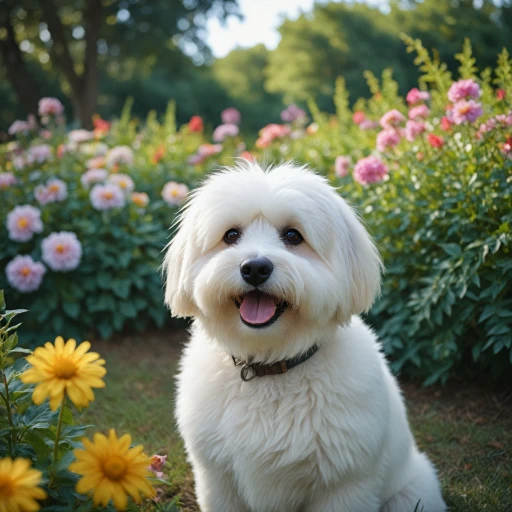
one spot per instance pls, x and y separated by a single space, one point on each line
251 370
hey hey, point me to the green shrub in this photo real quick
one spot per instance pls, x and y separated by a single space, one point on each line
441 213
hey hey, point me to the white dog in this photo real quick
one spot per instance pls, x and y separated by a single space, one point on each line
285 401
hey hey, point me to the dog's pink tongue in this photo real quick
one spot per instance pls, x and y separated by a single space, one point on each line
257 307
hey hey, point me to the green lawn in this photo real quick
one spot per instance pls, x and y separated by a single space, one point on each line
466 431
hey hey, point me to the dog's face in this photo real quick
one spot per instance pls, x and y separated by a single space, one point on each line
267 260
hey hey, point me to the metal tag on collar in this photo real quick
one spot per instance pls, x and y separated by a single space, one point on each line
248 367
244 372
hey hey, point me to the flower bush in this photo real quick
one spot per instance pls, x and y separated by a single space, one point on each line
46 463
430 173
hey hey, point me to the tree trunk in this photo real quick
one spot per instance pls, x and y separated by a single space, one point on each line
84 88
91 76
18 74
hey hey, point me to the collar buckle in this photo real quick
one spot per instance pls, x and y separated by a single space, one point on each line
245 372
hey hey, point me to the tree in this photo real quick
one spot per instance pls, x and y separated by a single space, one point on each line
79 39
346 39
241 74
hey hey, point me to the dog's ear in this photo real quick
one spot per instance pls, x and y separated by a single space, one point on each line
178 295
357 263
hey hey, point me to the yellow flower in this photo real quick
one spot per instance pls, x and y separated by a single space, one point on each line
112 470
64 369
19 486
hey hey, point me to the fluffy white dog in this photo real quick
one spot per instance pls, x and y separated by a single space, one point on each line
285 401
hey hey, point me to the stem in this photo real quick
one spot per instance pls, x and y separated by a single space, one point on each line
59 427
8 407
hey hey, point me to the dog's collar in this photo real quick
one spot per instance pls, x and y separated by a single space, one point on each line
251 370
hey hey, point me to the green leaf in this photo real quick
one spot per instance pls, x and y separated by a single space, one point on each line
19 350
65 461
36 417
452 249
72 309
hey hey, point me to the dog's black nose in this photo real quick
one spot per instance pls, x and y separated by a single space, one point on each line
256 271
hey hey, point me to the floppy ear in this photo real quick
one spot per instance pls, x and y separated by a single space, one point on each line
358 262
178 295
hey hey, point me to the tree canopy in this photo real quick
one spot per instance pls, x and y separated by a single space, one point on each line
94 54
76 41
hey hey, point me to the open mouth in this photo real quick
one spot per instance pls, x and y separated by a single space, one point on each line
258 309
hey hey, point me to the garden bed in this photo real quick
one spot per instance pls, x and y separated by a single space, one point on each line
465 428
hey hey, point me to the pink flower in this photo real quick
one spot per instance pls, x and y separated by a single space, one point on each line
358 117
391 119
415 96
505 119
435 140
50 107
24 274
501 94
92 176
446 124
247 155
6 180
413 129
23 221
106 197
54 191
195 159
157 464
123 181
231 116
370 170
507 147
366 124
206 150
120 155
79 136
270 133
387 138
466 111
19 127
421 111
61 251
225 130
341 166
174 193
40 153
464 89
486 127
96 162
19 162
292 113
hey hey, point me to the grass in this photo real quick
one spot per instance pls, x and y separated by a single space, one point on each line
465 429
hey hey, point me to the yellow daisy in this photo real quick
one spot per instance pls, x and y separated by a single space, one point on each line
64 369
19 486
112 470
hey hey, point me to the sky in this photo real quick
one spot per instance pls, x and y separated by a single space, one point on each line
261 19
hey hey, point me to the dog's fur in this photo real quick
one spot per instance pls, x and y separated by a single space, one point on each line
331 434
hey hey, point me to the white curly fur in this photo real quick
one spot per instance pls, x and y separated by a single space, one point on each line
331 434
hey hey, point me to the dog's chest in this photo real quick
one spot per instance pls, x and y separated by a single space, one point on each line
277 431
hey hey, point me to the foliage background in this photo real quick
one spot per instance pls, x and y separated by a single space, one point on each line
442 221
141 49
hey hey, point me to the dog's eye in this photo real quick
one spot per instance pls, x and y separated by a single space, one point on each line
292 237
231 236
